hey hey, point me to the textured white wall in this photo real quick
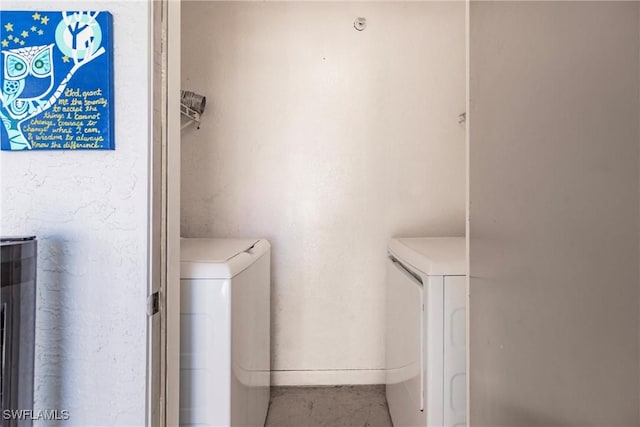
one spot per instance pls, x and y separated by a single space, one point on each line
89 211
554 172
327 141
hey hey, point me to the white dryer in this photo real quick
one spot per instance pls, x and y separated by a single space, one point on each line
224 332
426 381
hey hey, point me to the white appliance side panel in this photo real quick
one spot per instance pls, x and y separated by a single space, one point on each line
403 350
434 350
205 352
250 344
455 361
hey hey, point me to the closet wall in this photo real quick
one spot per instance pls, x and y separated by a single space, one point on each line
327 141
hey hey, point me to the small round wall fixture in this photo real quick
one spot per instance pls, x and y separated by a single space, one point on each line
360 23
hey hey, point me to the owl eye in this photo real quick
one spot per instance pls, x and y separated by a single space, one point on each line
41 64
15 67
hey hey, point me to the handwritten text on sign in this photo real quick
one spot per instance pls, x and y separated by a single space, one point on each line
72 122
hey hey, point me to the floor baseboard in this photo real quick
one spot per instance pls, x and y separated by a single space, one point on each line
328 377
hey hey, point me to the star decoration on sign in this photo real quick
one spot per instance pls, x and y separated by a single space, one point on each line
10 36
44 20
4 43
22 43
40 32
65 58
9 26
16 40
24 34
36 16
34 28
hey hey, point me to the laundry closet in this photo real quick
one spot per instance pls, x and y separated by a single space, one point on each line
330 128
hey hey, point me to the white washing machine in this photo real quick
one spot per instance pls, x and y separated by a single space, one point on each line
426 381
224 332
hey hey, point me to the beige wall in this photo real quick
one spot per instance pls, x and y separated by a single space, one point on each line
327 141
554 137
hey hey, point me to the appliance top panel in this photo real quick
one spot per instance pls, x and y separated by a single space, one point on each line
13 240
218 258
213 250
434 256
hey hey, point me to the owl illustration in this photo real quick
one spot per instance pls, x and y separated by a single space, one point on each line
28 75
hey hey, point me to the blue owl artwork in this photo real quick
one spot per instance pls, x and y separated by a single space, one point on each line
56 84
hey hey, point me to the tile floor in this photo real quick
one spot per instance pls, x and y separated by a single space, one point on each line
333 406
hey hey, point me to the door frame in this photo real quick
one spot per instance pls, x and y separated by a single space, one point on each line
156 277
163 326
173 83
